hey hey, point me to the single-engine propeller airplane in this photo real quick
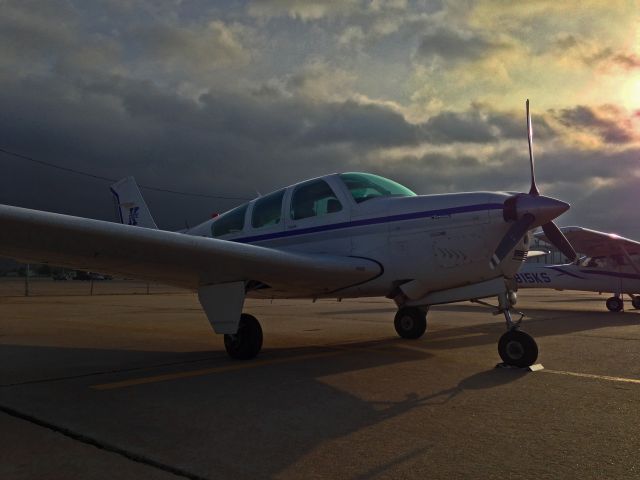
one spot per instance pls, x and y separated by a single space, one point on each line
611 264
337 236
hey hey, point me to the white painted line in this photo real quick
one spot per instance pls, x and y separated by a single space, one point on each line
595 377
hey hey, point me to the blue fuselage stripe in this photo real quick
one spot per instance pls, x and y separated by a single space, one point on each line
561 270
612 274
371 221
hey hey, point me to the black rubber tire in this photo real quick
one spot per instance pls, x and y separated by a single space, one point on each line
635 301
410 322
615 304
245 344
518 349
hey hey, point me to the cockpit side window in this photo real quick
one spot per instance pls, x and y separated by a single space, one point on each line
267 210
230 222
365 186
595 262
313 199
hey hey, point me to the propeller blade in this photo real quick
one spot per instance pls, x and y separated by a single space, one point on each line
557 238
511 239
533 190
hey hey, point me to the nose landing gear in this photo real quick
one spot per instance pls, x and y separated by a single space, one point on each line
515 347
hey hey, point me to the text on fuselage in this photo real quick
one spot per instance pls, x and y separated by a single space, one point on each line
533 277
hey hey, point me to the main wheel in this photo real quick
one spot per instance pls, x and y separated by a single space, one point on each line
614 304
247 342
518 349
410 322
635 301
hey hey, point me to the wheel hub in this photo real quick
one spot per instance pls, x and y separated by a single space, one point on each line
515 350
406 322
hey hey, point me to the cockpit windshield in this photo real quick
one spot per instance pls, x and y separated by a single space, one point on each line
365 186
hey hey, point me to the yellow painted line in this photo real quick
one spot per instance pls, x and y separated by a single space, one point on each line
209 371
595 377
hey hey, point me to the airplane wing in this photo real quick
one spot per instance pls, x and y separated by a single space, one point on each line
169 257
597 244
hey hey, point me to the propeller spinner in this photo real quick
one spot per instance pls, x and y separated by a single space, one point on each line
530 210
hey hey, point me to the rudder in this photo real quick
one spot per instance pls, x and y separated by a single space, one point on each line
132 208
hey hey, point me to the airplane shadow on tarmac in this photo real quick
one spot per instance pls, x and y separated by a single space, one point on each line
253 422
539 322
258 421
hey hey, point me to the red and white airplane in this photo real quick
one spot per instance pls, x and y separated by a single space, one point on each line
337 236
611 264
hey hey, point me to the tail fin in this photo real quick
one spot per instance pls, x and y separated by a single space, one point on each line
131 206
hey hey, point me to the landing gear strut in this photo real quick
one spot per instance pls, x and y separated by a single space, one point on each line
247 342
410 322
615 304
515 347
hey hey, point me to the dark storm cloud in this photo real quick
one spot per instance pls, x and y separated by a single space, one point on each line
223 143
116 96
481 125
454 45
199 48
228 143
370 125
508 169
591 181
35 28
607 121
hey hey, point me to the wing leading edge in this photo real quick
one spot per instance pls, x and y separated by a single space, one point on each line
168 257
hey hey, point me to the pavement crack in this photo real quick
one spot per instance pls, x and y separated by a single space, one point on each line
135 457
106 372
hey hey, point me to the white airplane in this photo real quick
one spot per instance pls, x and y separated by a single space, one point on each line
612 264
337 236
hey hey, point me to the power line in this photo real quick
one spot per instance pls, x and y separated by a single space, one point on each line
99 177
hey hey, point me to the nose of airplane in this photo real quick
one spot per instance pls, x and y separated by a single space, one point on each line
544 209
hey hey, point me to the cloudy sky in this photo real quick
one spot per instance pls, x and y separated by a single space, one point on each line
236 97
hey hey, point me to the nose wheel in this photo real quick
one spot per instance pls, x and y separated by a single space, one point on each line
517 349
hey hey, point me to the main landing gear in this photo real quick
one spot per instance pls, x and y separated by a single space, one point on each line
411 322
615 303
515 347
247 342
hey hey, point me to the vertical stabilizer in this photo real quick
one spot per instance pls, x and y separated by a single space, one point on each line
131 206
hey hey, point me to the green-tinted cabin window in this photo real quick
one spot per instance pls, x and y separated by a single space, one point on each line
365 186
